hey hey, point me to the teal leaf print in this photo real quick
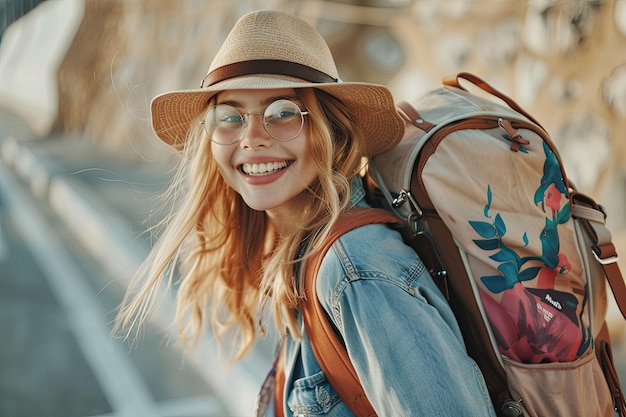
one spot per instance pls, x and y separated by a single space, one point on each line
529 273
488 244
495 283
509 270
488 206
484 229
505 255
500 226
563 215
525 239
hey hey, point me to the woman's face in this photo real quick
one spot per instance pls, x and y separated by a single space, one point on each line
270 175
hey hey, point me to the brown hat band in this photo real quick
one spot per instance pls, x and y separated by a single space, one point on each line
266 66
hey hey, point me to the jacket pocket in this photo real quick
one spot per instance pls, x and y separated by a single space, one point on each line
312 396
575 388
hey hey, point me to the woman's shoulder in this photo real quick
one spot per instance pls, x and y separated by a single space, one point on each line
367 257
374 242
373 251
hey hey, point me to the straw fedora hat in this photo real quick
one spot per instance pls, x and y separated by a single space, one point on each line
270 49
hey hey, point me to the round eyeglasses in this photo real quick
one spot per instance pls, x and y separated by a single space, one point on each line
282 120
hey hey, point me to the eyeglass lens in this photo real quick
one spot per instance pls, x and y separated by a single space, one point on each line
282 120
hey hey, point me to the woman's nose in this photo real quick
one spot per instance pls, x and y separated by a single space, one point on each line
254 134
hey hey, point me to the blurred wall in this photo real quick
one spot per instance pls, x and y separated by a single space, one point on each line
565 61
31 53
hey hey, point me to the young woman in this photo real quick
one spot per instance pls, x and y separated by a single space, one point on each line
272 146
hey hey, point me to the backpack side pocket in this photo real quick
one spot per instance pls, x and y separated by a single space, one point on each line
560 388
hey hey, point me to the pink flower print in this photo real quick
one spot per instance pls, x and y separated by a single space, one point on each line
552 198
547 276
564 264
529 329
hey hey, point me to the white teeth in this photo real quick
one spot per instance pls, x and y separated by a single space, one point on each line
263 168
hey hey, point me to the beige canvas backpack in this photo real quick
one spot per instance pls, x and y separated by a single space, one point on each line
479 191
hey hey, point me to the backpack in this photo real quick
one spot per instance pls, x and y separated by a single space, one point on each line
479 191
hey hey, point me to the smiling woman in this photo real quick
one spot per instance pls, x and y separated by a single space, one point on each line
272 145
270 163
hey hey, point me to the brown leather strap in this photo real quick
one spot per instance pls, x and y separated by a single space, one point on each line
613 275
454 81
279 382
266 66
605 357
592 217
328 350
412 116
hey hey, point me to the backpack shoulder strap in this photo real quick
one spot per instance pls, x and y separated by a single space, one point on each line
328 350
603 248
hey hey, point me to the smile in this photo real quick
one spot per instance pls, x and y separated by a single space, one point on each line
264 168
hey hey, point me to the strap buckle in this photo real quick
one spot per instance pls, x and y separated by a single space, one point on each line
604 261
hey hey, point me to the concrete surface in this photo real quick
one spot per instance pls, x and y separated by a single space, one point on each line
75 215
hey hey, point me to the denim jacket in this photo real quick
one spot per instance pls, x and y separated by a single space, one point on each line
398 329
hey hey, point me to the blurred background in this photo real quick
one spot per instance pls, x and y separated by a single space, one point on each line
81 171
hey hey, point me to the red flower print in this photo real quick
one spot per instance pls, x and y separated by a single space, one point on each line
564 264
552 198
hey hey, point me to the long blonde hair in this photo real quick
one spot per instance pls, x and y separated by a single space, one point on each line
227 256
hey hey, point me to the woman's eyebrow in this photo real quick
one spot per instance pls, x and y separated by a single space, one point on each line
264 102
269 100
233 103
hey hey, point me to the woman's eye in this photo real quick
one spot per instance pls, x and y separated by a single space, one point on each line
231 119
285 113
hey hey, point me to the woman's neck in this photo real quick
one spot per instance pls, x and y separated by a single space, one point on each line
286 224
289 219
